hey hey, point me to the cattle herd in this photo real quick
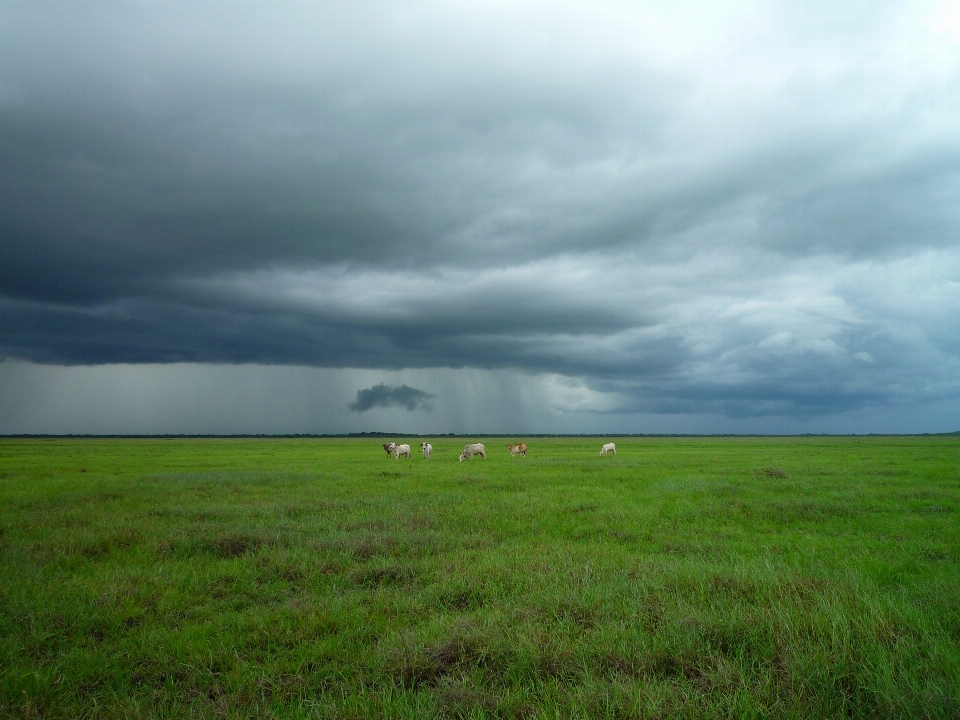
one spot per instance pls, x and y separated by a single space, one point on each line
471 449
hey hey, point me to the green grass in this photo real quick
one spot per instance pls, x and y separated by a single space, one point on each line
760 577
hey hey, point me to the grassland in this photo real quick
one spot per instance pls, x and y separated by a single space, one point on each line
798 577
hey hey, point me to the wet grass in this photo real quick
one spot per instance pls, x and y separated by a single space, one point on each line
797 577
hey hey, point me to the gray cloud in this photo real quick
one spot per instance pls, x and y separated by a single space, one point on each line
385 396
749 211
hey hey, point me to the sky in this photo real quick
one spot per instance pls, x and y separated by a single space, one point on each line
469 217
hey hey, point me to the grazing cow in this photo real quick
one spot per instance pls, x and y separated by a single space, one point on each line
390 448
427 450
518 449
473 449
608 448
402 450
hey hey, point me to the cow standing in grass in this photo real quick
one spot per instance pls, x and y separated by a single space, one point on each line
427 450
608 448
390 448
518 449
473 449
402 450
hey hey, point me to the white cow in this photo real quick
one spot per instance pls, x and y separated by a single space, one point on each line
402 450
473 449
608 448
427 450
390 448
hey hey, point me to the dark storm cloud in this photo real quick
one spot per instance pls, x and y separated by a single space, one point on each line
695 211
385 396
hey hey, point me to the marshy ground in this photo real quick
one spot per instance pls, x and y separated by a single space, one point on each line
685 577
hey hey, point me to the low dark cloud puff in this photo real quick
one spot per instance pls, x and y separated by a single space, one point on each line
385 396
747 210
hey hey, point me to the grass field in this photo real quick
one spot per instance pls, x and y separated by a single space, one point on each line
708 577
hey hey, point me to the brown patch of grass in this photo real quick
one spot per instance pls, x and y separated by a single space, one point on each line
734 587
279 569
371 546
575 613
812 511
804 588
665 665
429 666
559 664
457 697
617 664
462 598
236 544
652 613
231 545
502 487
419 522
730 639
111 542
381 576
935 509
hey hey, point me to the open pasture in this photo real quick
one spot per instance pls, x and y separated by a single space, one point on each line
683 577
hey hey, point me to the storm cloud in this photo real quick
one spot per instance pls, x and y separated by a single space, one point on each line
384 396
741 210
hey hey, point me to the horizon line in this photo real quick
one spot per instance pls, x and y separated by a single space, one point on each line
377 434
